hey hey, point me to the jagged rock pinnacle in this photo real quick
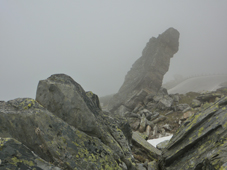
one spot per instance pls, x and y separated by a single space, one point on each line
147 72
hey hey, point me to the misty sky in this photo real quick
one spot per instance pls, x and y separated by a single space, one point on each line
96 41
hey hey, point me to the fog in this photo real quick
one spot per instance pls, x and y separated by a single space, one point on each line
96 42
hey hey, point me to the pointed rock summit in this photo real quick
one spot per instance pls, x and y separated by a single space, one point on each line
146 74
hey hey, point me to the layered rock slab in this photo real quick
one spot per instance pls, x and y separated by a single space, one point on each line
149 151
201 141
146 74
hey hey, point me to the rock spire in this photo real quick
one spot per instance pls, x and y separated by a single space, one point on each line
146 74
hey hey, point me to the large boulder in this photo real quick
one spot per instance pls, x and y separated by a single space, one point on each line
66 127
200 143
66 99
53 139
165 102
147 72
61 95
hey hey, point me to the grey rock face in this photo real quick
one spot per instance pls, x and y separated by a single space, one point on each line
151 153
61 95
165 102
147 72
200 143
15 155
152 165
65 98
66 127
51 138
162 145
143 124
196 103
181 107
208 97
94 98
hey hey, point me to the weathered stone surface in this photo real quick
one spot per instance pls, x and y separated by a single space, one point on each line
52 139
143 124
167 127
222 90
153 116
187 109
66 127
176 98
155 131
147 72
160 118
186 115
181 107
14 155
148 98
134 120
162 145
152 166
61 95
169 112
121 110
208 97
165 102
196 103
200 143
140 167
94 98
150 106
65 98
135 99
150 151
148 131
157 98
145 112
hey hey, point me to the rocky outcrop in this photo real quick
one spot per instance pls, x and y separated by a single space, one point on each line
66 99
200 143
66 127
53 139
146 74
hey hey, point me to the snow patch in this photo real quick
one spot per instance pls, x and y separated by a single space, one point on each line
154 142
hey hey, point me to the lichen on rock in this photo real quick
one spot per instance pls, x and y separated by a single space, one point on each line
200 141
